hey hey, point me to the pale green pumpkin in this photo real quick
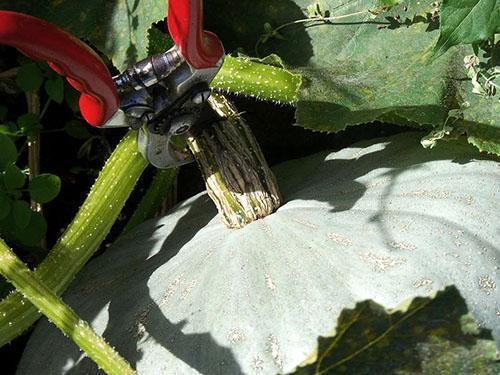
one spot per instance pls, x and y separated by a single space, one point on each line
384 221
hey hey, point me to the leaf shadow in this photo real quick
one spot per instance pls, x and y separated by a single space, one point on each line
423 337
342 184
240 25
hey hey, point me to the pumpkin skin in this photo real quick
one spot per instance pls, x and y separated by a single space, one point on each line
385 221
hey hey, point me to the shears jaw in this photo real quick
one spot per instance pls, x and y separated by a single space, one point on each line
186 92
158 150
119 120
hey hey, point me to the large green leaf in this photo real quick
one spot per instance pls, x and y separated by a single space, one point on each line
426 335
481 120
467 21
117 28
360 68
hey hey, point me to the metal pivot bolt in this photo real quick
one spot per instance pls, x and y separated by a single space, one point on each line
201 94
182 124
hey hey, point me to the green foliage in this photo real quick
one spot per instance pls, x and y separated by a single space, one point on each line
77 129
82 237
362 62
54 87
22 213
14 178
29 77
17 221
432 335
44 188
466 22
117 28
9 152
28 123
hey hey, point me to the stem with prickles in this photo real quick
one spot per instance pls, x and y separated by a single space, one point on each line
17 273
245 76
236 174
82 237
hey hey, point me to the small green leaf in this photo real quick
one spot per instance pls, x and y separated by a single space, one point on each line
77 129
54 87
44 188
116 28
5 205
9 128
71 97
14 177
8 152
29 77
29 122
33 233
22 213
3 112
466 22
158 41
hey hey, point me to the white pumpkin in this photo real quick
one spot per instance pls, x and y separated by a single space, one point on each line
385 221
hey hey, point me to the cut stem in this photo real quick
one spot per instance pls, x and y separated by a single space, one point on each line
82 237
245 76
236 174
60 314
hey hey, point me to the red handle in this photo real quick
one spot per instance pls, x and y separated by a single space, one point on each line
69 57
201 49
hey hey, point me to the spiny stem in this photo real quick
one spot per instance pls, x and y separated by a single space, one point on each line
64 317
248 77
82 237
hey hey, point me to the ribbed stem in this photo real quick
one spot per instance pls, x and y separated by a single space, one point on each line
82 237
237 176
61 314
244 76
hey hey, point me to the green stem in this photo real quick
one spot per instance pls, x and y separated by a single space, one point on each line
248 77
65 318
151 201
82 237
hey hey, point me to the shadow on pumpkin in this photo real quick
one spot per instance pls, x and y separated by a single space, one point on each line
343 174
151 323
137 317
344 189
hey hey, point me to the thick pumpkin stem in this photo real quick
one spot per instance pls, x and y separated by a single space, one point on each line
237 176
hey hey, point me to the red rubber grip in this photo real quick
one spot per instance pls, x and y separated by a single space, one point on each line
68 56
201 49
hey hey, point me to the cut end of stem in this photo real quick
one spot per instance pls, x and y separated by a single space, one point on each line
237 176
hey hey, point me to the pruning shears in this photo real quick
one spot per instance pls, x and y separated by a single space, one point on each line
161 96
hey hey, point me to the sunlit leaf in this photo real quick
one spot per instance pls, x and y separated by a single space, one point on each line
466 22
